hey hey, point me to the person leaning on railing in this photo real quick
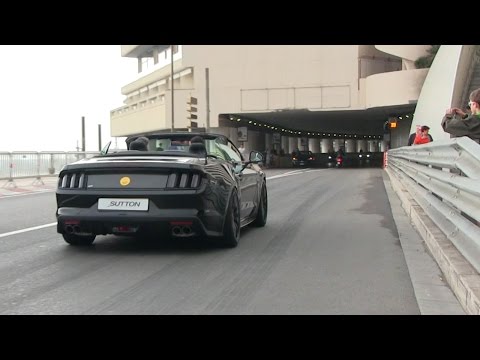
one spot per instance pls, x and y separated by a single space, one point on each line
467 124
423 137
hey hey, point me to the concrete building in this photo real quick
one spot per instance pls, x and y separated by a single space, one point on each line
281 96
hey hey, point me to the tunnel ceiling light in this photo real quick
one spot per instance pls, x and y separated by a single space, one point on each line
250 121
238 119
400 117
407 116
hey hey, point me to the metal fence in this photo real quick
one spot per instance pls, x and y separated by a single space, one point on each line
24 164
444 178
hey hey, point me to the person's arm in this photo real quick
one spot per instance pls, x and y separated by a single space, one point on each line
468 126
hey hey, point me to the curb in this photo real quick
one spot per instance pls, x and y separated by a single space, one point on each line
25 186
460 275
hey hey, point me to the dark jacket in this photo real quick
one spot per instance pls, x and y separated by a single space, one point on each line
468 126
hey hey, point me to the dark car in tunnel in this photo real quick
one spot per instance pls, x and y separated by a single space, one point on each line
303 158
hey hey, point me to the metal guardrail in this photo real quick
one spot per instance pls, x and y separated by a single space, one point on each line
24 164
444 178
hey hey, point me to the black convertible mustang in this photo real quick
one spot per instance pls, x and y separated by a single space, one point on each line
184 184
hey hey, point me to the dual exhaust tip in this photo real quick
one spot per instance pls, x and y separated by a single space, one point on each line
72 229
182 231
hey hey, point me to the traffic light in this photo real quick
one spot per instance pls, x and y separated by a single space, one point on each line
192 109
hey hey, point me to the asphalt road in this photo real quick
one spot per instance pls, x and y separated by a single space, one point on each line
330 246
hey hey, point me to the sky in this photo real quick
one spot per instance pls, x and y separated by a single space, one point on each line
46 89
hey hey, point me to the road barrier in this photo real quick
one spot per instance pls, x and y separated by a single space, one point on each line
440 181
25 164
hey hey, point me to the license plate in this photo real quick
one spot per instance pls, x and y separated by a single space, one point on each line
123 204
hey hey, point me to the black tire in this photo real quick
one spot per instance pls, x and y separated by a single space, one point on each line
231 228
77 240
262 212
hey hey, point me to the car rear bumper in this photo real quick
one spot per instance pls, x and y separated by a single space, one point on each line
99 222
301 163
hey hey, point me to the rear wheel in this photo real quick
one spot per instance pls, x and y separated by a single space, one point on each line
78 240
231 229
261 218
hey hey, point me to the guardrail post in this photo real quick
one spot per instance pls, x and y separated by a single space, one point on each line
38 179
51 169
10 182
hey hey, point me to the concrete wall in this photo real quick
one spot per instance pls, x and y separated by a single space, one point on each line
408 52
437 91
394 88
152 118
247 78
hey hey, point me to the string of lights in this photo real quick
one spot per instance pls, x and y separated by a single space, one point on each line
255 123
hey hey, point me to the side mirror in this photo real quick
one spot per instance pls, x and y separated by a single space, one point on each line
255 157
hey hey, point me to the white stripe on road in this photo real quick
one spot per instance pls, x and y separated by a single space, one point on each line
27 193
279 176
316 170
27 229
295 172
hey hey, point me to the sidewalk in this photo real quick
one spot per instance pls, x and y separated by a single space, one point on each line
27 186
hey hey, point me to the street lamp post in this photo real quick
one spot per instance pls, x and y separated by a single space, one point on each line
171 85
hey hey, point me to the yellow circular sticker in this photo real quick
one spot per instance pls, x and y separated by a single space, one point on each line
124 181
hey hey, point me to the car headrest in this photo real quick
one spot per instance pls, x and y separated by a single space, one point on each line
198 149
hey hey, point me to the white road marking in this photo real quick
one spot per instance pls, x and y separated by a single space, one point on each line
316 170
295 172
27 229
27 193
